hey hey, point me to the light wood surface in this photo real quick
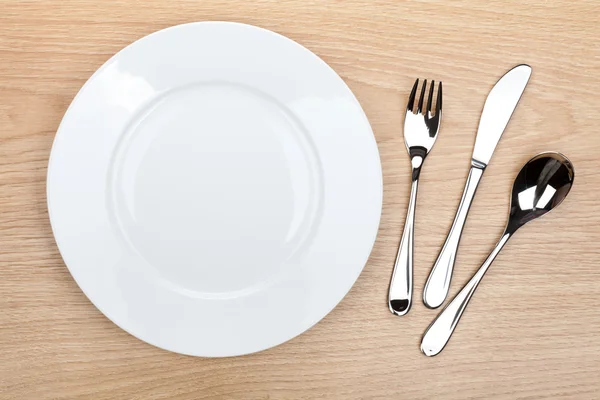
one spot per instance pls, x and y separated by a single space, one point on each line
533 329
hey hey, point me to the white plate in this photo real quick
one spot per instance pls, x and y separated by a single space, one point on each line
215 189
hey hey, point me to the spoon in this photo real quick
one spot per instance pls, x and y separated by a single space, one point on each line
542 184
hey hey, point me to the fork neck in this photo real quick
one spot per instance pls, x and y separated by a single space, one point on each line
417 157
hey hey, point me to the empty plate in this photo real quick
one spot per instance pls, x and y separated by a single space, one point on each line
215 189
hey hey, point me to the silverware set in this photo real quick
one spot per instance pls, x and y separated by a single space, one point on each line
542 184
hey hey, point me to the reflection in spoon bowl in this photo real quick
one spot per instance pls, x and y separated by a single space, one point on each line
541 185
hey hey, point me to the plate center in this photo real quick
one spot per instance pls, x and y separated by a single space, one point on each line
216 186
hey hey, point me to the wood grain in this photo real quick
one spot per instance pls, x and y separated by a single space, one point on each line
532 331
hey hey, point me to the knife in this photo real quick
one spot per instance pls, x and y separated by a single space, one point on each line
498 108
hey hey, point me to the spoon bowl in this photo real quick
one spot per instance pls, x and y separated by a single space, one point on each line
541 185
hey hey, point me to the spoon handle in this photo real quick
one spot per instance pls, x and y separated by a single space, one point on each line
438 282
400 294
439 332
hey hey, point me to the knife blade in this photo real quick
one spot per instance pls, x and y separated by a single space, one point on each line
499 107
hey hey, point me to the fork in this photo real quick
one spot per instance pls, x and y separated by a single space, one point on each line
420 132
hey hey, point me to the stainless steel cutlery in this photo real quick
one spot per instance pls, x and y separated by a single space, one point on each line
542 184
421 126
498 108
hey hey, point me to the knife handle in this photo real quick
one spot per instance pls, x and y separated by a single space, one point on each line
438 282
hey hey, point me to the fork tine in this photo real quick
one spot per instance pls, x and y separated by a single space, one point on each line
411 99
438 103
420 107
430 97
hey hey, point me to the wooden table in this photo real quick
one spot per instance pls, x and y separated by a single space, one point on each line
533 329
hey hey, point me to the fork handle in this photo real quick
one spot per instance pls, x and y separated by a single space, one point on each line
438 282
400 294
